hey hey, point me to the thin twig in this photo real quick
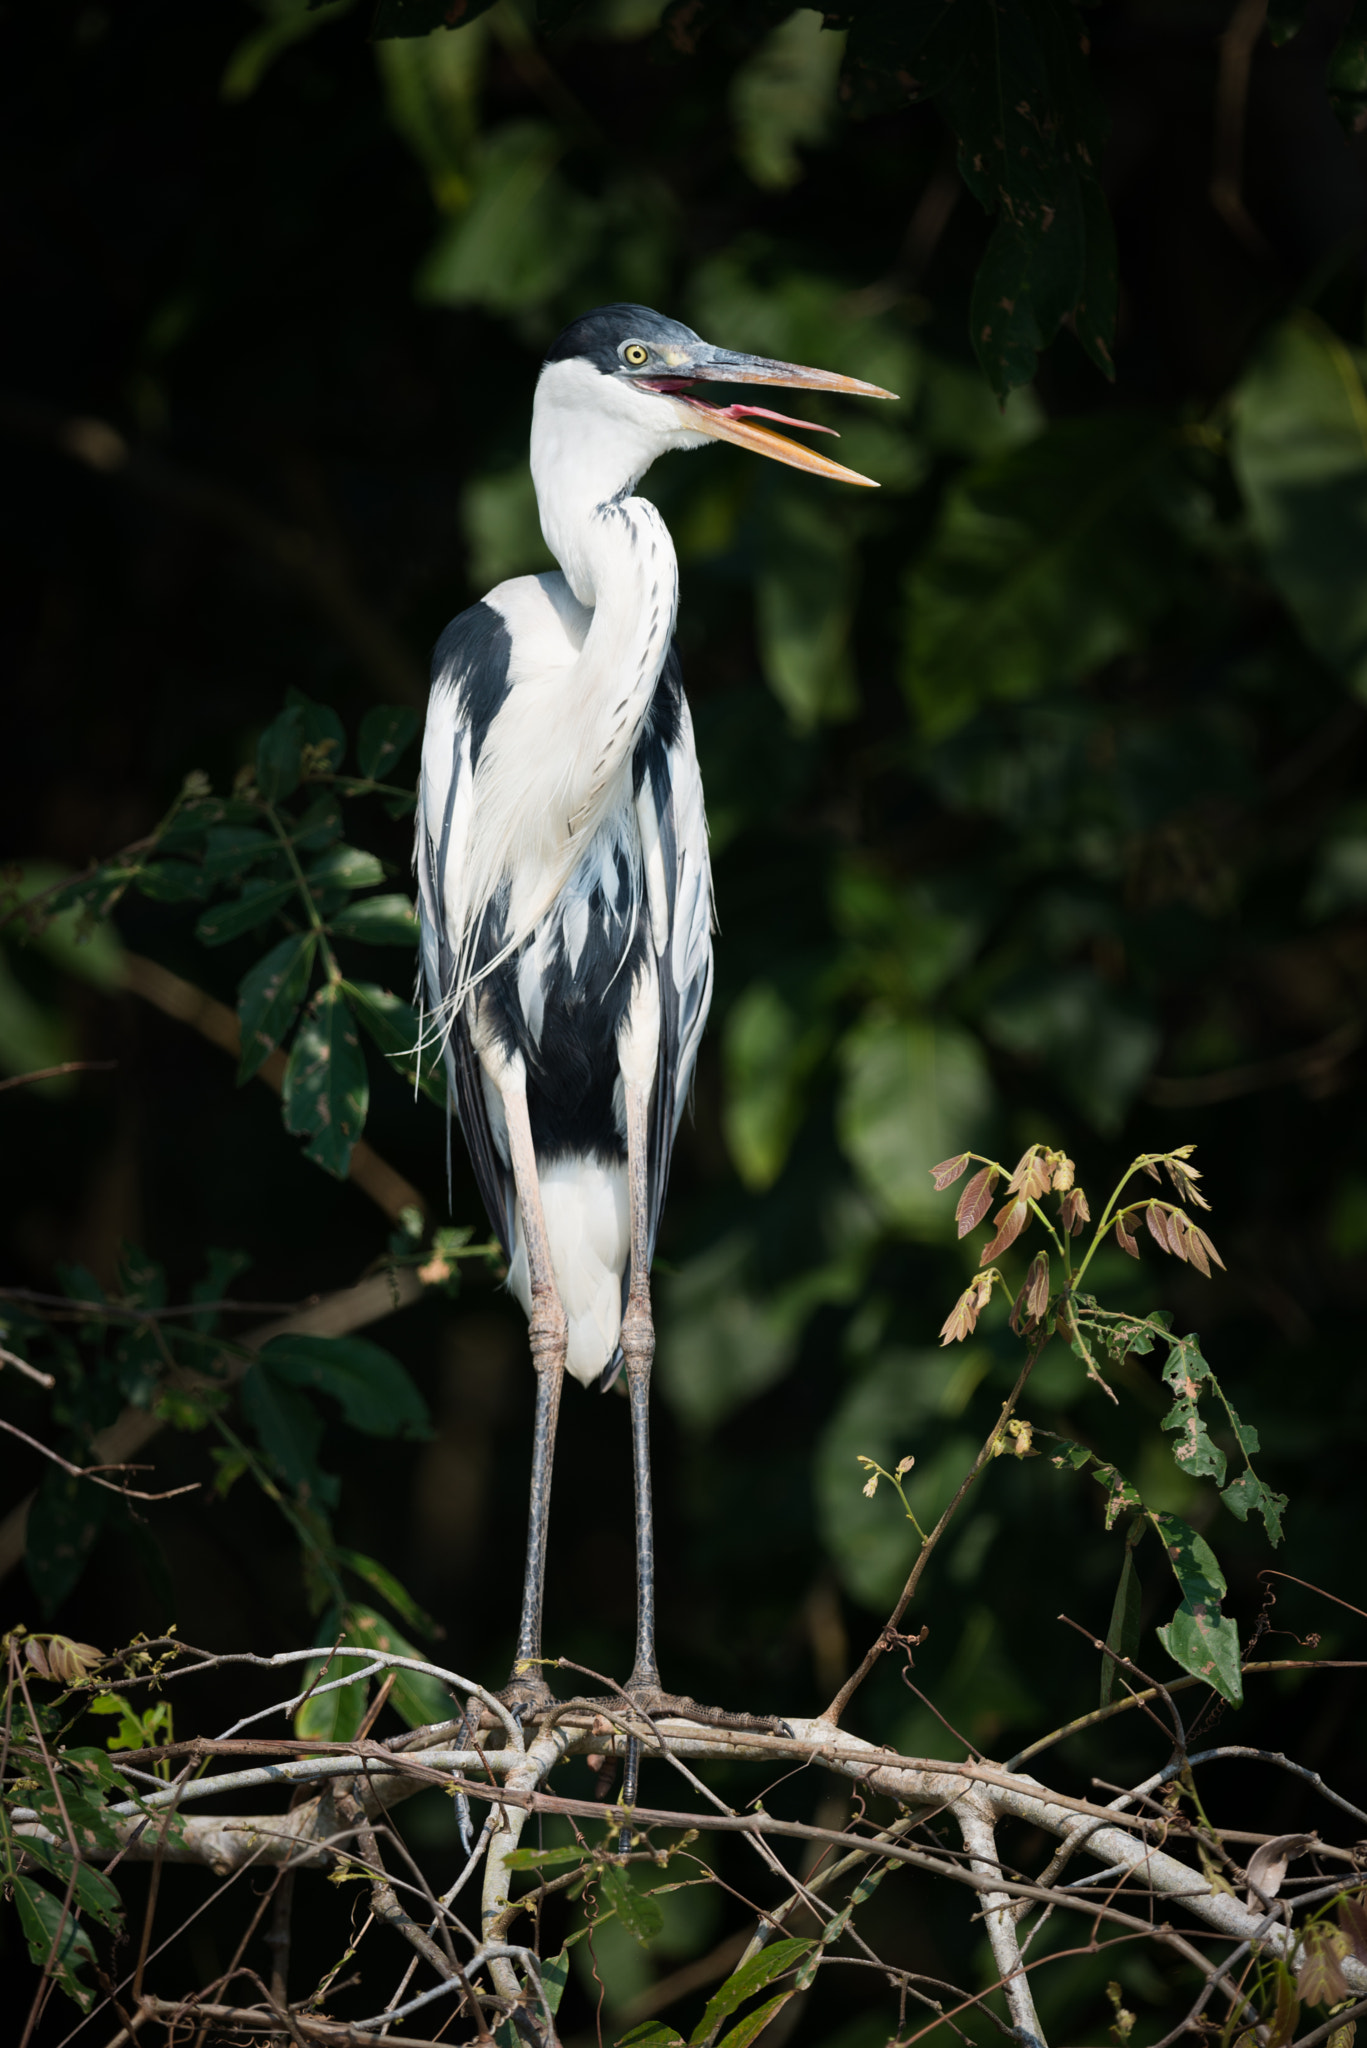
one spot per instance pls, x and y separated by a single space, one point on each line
853 1683
54 1073
92 1472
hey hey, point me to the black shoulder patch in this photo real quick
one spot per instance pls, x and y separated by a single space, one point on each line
660 729
472 657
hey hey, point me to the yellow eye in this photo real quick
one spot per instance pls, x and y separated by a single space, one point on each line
635 353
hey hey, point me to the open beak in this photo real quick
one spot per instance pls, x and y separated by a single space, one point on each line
738 422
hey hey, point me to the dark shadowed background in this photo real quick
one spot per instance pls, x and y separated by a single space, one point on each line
1035 783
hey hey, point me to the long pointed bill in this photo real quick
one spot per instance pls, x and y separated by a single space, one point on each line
737 422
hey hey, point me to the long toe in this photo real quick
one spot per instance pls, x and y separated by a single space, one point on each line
653 1700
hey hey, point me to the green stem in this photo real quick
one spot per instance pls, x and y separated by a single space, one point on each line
1110 1212
334 972
308 1540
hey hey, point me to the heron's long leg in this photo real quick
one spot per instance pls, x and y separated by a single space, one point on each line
549 1333
638 1351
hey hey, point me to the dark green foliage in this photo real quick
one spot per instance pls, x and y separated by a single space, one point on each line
1036 789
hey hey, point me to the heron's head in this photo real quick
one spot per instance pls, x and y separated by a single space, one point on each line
619 388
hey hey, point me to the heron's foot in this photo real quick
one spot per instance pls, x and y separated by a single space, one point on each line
652 1699
527 1696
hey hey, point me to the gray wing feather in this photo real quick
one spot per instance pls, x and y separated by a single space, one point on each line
671 813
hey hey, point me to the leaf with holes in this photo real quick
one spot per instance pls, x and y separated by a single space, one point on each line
638 1912
269 996
1248 1495
327 1089
1199 1637
387 732
49 1931
259 900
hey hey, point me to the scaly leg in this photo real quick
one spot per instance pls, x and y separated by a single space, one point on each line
549 1332
638 1352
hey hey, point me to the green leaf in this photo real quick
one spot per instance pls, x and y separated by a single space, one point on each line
387 732
279 755
289 1429
762 1969
1046 563
379 921
651 2034
1248 1495
523 232
80 1805
43 1922
331 1716
321 726
422 17
804 605
768 1057
754 2023
375 1392
395 1028
544 1859
1199 1637
345 867
417 1698
223 1268
638 1912
783 97
94 1892
320 824
327 1089
269 996
911 1092
1187 1373
1285 19
555 1975
1300 455
1348 71
64 1525
390 1589
231 850
172 881
258 901
1122 1634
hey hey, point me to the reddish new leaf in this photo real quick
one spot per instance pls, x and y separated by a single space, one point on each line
1064 1173
963 1317
1207 1246
1195 1249
1010 1220
1037 1285
1031 1177
947 1172
976 1200
1124 1239
1161 1231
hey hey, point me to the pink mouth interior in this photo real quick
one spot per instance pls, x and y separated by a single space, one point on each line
680 387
